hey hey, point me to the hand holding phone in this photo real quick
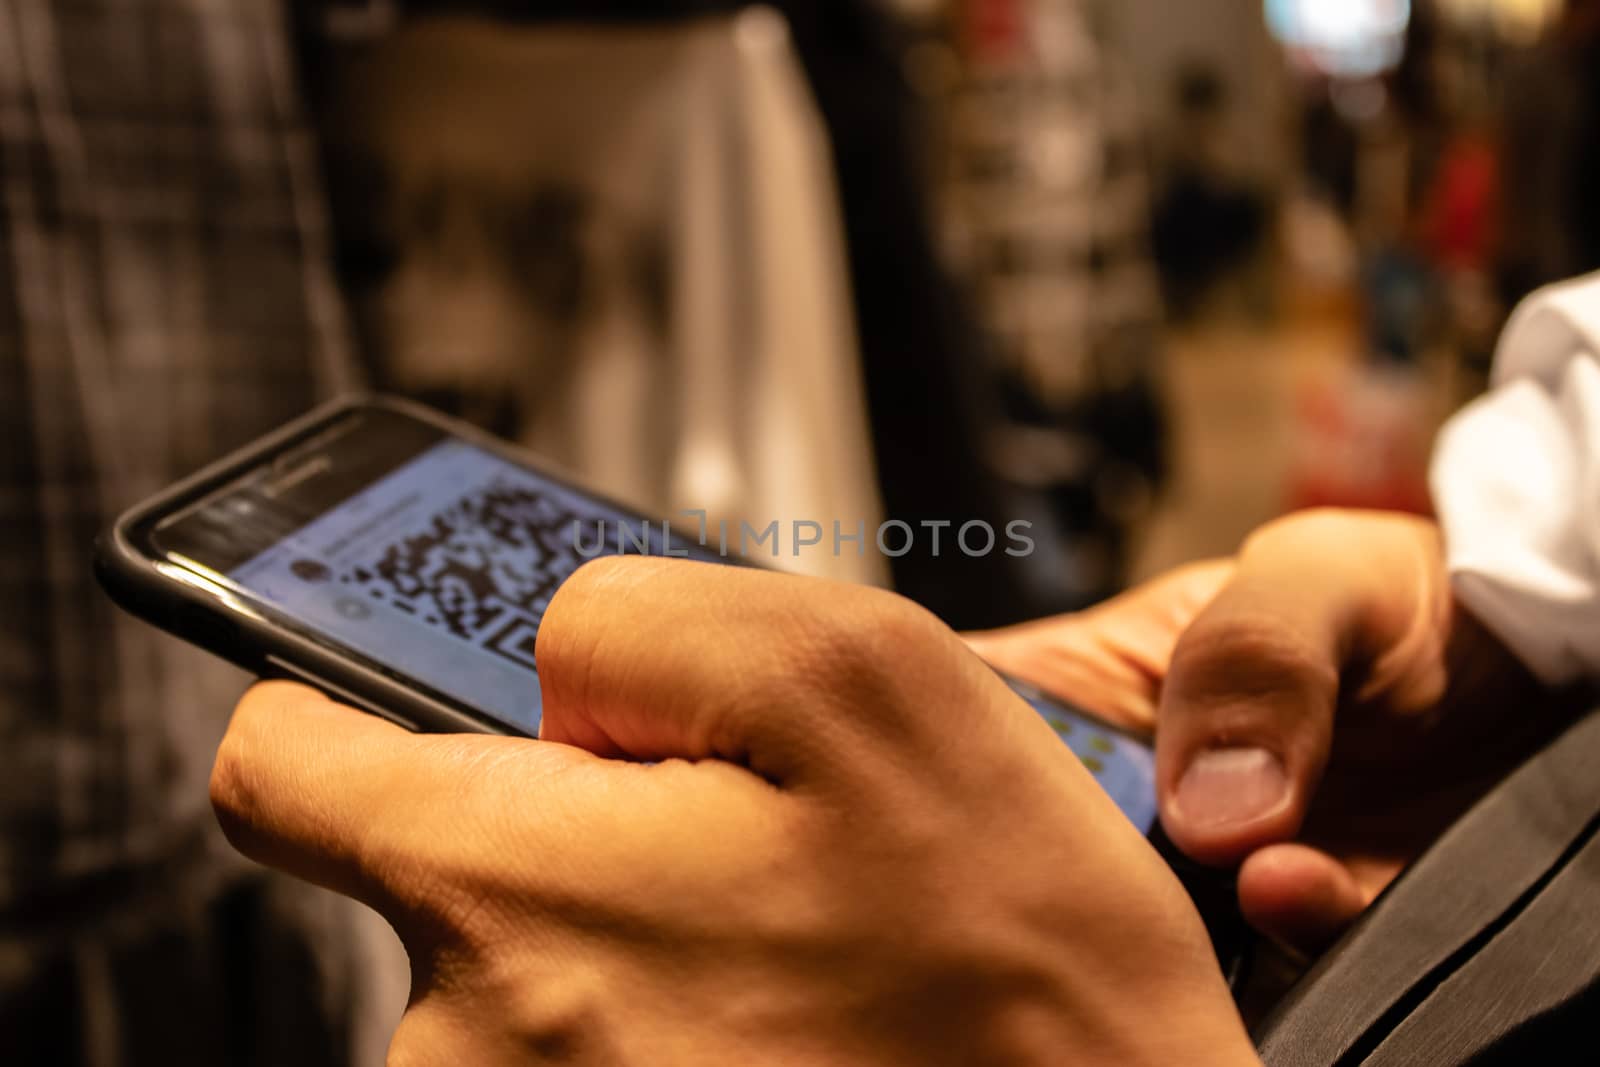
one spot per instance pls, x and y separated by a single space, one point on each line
781 821
403 563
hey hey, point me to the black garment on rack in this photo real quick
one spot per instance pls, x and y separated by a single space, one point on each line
1486 951
1586 204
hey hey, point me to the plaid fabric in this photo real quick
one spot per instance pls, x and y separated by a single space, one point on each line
163 298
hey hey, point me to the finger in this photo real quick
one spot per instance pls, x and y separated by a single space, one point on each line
655 659
440 834
1109 659
1246 715
342 798
1300 896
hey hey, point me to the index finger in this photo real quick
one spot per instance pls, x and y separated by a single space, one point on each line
340 797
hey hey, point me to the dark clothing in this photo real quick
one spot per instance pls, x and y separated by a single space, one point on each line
241 978
1486 951
164 297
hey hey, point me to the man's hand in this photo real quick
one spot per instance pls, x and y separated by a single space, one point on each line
1325 708
1334 694
1112 658
850 844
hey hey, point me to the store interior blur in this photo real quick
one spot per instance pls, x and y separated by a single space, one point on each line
1146 274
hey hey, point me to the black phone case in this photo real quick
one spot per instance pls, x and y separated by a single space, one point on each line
183 604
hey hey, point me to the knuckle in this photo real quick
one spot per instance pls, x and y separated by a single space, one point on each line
866 639
590 583
507 1001
599 578
1310 523
600 594
565 1022
1328 532
1242 655
233 796
861 664
604 568
236 786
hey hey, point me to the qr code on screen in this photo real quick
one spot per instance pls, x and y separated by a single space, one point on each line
483 569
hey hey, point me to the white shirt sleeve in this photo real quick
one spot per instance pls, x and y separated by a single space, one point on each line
1516 482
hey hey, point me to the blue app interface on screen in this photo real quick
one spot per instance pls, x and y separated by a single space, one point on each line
1124 766
444 567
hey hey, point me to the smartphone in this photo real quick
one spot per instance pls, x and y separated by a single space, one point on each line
401 561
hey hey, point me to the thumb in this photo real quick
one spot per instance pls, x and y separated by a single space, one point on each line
1247 710
1300 896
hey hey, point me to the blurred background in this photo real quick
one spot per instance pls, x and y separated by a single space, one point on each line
1143 274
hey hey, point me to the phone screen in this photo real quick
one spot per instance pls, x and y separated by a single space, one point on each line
1124 766
443 566
438 558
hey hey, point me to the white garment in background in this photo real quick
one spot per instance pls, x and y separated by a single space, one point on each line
772 416
731 383
1516 480
753 411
